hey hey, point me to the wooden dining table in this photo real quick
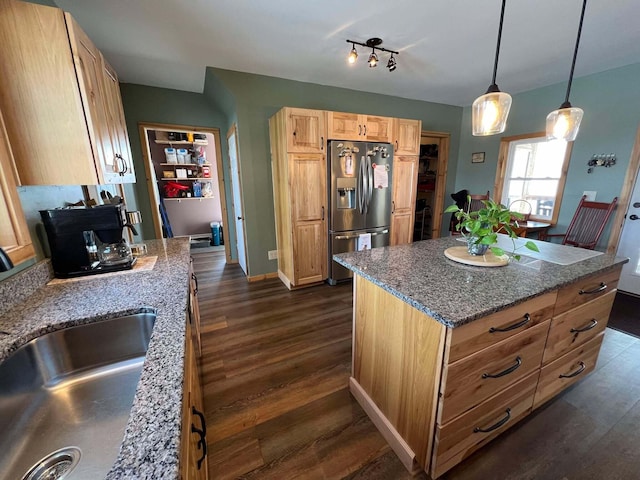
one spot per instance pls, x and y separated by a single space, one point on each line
533 226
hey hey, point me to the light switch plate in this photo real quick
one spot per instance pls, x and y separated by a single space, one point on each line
273 254
591 195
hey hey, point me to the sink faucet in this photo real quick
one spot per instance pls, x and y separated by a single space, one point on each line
5 261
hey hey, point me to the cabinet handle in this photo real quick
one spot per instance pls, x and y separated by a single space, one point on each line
496 425
359 130
393 207
591 325
202 443
195 279
396 145
365 129
601 288
322 213
321 143
509 370
521 323
574 374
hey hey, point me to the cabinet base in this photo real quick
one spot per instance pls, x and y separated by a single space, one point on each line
390 434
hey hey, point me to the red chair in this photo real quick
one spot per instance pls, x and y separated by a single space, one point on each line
587 224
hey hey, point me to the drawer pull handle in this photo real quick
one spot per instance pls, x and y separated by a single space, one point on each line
495 426
576 373
509 370
601 288
592 324
521 323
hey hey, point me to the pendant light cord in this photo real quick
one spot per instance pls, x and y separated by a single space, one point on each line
495 64
575 55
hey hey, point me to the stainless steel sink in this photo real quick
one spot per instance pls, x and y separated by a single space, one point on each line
65 398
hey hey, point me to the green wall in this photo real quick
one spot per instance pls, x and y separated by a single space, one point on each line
161 105
258 97
610 101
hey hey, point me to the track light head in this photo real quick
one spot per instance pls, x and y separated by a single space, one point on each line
373 59
391 64
353 55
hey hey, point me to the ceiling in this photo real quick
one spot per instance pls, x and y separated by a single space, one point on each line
446 48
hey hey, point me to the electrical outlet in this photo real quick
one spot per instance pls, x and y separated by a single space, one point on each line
273 254
591 195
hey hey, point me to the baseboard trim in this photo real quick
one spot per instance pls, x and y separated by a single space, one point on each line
384 426
259 278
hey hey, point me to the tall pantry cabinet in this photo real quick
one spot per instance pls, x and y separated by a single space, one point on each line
61 101
299 169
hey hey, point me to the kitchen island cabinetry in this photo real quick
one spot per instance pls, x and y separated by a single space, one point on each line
442 366
300 196
61 101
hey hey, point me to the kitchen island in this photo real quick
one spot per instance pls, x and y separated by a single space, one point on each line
152 442
447 356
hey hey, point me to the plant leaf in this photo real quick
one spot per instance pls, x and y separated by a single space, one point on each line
497 251
452 208
531 246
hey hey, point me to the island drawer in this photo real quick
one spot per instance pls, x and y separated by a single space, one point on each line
459 438
587 289
567 370
577 326
468 382
487 331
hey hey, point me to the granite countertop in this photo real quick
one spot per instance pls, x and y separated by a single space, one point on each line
151 444
455 294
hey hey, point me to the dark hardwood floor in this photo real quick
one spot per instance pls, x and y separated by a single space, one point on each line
625 314
275 367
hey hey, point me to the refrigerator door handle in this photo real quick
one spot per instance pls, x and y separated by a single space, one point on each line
360 188
371 181
350 237
367 188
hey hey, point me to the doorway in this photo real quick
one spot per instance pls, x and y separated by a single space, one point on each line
185 181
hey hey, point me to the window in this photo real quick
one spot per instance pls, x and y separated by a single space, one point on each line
531 175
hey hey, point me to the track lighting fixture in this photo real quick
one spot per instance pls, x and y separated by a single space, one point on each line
373 59
373 44
391 64
564 123
353 54
489 112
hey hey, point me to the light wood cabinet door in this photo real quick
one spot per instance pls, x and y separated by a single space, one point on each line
310 252
117 126
14 235
377 129
405 172
307 177
305 130
407 136
344 126
401 229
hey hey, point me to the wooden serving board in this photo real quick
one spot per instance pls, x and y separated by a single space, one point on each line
461 255
144 263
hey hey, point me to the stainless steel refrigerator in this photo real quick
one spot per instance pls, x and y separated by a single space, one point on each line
360 179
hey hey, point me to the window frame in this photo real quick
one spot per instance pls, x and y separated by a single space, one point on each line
501 169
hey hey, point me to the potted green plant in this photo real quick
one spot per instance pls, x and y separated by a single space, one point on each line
481 227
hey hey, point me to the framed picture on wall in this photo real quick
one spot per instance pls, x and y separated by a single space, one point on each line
477 157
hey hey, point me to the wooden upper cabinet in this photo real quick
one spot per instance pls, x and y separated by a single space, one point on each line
406 136
14 235
352 126
305 130
53 98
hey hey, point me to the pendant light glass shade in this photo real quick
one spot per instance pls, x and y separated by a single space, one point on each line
564 123
489 113
353 55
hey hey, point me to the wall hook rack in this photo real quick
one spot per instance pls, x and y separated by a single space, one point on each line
602 160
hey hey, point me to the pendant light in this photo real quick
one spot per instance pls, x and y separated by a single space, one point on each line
373 59
489 111
353 55
564 123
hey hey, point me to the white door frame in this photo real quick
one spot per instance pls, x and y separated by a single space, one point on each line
241 236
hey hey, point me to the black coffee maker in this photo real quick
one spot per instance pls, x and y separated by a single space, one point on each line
87 240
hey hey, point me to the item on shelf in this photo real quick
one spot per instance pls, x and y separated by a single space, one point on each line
206 171
183 155
181 173
191 173
189 137
199 137
199 155
207 189
168 174
175 190
177 136
197 189
170 155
